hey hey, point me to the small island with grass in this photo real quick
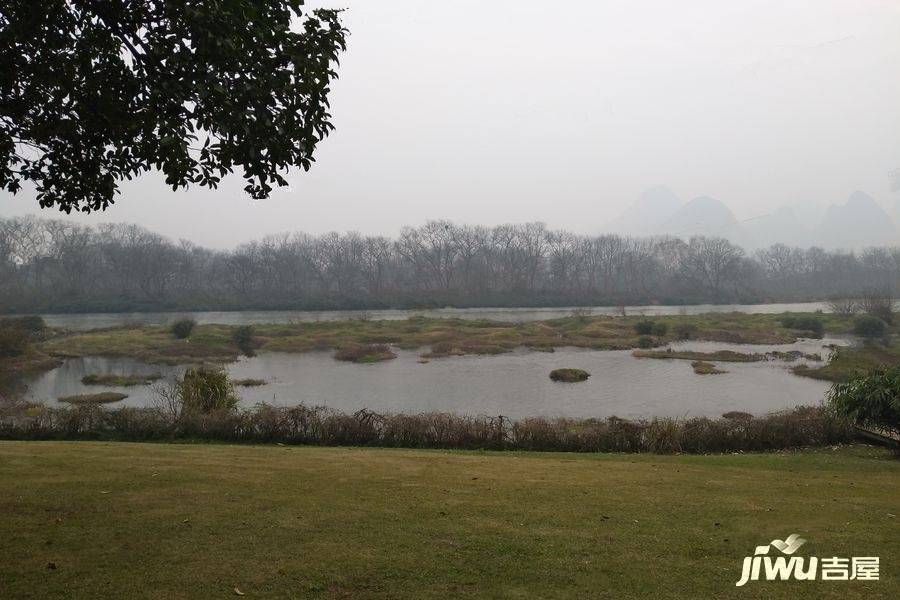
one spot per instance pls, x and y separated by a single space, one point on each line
100 398
120 380
569 375
701 367
249 382
365 353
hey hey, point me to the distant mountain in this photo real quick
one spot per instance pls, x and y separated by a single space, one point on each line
858 223
706 216
780 227
644 217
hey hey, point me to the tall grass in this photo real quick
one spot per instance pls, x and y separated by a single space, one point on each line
801 427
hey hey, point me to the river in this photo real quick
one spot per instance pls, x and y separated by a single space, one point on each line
249 317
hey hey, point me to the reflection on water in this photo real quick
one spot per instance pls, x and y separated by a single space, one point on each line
98 320
515 384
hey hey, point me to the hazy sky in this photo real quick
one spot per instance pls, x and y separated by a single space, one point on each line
490 111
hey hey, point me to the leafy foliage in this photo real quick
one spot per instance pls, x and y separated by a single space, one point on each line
30 323
643 327
871 400
182 328
683 331
14 341
803 323
869 326
243 339
879 304
205 390
96 91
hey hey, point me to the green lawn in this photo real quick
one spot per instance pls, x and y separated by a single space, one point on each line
124 520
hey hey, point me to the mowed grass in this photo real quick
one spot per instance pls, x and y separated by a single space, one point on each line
198 521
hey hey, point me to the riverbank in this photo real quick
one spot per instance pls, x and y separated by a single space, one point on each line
92 520
800 427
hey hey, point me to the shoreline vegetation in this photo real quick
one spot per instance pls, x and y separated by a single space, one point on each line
802 427
370 341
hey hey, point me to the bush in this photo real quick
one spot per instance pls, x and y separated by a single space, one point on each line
182 328
243 338
845 307
803 323
684 331
204 390
30 323
869 326
871 400
644 327
660 329
879 304
13 341
646 341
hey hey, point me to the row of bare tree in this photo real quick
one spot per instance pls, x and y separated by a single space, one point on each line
56 265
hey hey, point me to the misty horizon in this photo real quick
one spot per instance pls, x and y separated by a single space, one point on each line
509 119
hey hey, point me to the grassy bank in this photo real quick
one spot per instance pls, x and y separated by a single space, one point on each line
93 520
849 362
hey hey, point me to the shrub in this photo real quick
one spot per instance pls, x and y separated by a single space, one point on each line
659 329
582 313
645 342
869 326
243 339
871 400
803 323
643 327
30 323
569 375
879 304
204 390
182 328
845 307
684 331
13 341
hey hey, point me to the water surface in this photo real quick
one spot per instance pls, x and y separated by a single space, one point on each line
99 320
515 385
